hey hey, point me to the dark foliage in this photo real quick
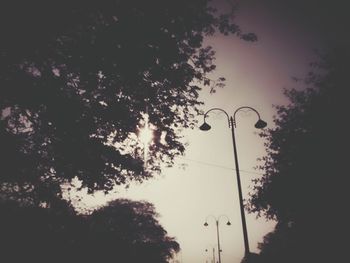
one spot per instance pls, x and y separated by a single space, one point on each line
304 184
123 231
326 19
36 234
132 227
77 77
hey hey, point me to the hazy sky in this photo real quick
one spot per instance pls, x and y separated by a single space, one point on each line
256 74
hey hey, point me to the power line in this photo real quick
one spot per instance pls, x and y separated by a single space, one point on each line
219 166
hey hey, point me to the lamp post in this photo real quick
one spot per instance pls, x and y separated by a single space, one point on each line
213 249
217 220
232 124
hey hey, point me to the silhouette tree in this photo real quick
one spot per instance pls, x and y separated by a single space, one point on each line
123 231
129 231
38 234
79 78
304 168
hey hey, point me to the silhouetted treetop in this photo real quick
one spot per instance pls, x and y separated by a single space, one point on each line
304 186
78 79
123 231
133 225
304 149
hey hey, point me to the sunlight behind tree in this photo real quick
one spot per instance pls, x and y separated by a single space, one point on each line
145 135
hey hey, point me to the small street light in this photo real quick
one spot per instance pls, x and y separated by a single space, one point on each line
217 220
213 250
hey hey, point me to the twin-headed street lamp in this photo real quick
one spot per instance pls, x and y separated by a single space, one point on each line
232 124
217 220
213 250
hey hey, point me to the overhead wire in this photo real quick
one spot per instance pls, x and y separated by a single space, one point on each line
219 166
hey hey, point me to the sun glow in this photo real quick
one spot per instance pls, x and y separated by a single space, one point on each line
145 135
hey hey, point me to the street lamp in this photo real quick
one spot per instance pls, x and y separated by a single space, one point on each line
232 124
213 249
217 229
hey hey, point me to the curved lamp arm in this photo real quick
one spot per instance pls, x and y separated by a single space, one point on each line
210 216
228 219
205 126
260 123
217 220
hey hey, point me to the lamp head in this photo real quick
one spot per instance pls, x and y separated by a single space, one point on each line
205 224
260 124
205 127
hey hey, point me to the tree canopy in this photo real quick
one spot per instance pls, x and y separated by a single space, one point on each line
80 79
133 228
303 186
122 231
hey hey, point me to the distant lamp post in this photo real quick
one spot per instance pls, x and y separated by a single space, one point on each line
260 124
213 250
217 220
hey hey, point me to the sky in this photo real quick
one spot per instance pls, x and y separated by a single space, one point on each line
203 182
